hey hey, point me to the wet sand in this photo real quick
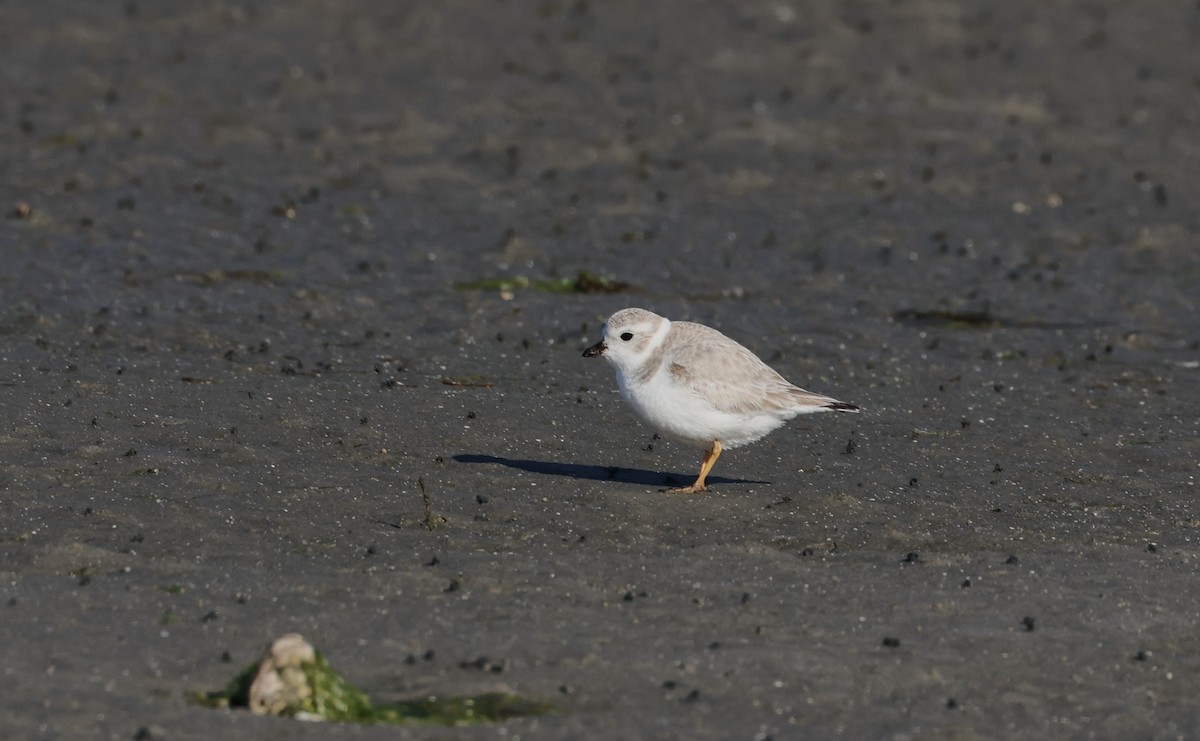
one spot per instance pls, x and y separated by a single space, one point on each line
242 324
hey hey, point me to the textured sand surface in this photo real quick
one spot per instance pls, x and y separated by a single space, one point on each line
233 340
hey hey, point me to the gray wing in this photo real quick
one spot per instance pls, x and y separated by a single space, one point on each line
734 380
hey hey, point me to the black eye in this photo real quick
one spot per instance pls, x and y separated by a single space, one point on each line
626 336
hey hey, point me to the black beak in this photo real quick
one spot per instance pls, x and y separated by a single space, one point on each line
596 349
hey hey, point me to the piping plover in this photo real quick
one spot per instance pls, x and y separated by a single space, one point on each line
694 384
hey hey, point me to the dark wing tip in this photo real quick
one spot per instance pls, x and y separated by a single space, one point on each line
841 406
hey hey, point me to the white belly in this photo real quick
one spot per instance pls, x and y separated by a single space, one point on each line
676 411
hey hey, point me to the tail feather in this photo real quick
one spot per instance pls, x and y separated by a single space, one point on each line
806 401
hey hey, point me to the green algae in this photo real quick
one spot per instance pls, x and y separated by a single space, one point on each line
326 695
583 282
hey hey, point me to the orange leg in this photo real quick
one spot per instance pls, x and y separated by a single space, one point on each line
710 457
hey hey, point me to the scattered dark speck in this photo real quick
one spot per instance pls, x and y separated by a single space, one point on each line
453 586
1095 40
890 642
1029 623
481 499
484 664
692 696
965 583
951 703
1012 560
911 557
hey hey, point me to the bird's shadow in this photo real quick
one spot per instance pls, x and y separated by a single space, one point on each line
635 476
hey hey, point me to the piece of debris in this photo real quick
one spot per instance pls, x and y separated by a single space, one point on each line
295 681
478 382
